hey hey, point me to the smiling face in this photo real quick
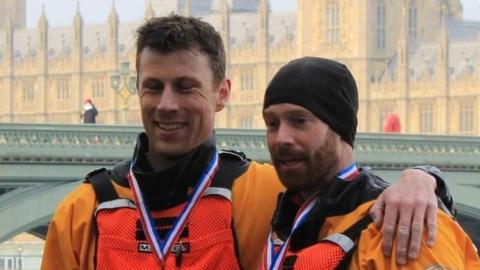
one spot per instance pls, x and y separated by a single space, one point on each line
178 100
304 150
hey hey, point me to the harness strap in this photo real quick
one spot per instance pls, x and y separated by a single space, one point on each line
223 192
103 187
289 262
353 233
118 203
341 240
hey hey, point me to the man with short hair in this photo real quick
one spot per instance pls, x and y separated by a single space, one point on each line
322 221
178 203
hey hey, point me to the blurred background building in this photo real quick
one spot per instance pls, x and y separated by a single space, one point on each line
417 59
14 9
22 252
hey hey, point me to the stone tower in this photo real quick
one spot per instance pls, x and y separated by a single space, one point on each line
16 9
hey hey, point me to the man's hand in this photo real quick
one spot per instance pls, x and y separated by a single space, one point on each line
409 202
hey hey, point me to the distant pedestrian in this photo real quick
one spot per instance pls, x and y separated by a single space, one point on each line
392 124
89 112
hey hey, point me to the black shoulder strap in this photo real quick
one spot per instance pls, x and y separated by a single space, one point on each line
102 185
353 232
289 262
119 173
232 165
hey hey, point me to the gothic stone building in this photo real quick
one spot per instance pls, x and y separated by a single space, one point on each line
415 58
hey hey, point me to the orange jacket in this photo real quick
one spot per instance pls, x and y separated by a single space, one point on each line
341 206
204 242
70 241
453 248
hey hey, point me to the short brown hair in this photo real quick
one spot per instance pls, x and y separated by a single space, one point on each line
174 32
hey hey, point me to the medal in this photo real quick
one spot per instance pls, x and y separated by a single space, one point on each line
161 248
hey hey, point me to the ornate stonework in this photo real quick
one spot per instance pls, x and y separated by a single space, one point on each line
415 58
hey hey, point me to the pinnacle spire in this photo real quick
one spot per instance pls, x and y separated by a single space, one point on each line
149 12
77 19
113 12
186 8
43 17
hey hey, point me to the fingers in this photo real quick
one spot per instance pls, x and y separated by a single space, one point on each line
388 227
403 231
422 214
416 232
406 205
431 224
376 211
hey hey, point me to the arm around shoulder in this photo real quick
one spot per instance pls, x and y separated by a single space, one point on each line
453 250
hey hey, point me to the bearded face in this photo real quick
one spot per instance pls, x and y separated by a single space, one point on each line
304 150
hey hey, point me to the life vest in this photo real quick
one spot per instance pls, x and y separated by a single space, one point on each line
333 252
206 242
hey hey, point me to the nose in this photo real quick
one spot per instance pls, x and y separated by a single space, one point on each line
284 135
168 100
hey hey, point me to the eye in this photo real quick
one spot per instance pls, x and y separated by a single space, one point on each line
271 124
152 85
298 120
185 85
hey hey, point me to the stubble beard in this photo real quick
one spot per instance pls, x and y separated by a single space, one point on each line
318 172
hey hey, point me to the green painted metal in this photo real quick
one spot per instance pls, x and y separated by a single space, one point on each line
99 144
29 207
40 161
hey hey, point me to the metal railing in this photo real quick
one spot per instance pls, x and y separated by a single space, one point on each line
102 144
42 162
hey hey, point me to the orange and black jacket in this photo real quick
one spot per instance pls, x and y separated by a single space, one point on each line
207 239
72 241
342 209
79 238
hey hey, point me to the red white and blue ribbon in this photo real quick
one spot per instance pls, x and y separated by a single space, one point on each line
273 260
161 248
348 173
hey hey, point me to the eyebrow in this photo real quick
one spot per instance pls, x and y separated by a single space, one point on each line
190 79
146 79
149 82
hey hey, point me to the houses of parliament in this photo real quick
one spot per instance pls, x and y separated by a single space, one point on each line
417 59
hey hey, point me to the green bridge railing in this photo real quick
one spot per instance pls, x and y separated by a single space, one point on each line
40 163
101 144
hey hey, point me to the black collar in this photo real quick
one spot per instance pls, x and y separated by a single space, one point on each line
169 187
339 198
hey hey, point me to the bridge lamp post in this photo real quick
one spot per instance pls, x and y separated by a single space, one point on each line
125 85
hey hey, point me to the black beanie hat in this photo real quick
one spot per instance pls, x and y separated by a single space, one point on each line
322 86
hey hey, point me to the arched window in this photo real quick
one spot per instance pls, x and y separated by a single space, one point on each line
98 86
426 119
467 115
28 90
63 91
332 22
246 82
412 20
381 25
246 120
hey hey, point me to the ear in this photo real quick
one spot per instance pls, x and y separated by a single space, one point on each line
223 94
